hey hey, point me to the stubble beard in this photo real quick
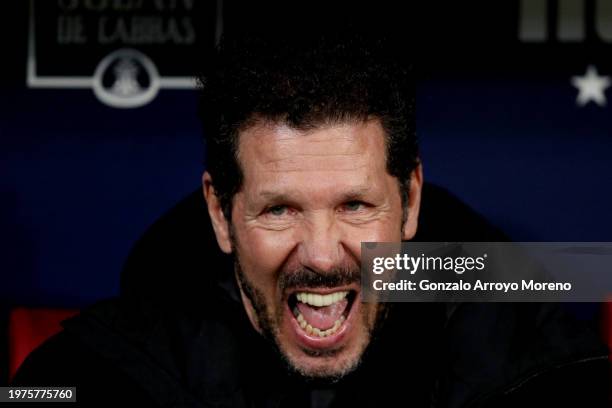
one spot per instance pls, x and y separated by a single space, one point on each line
269 323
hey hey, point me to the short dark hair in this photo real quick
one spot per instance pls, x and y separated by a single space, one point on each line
305 82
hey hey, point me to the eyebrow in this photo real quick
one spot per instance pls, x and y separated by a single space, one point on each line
352 194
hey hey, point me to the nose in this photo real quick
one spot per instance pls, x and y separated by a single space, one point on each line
320 247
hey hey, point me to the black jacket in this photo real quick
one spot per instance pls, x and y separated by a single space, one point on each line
178 336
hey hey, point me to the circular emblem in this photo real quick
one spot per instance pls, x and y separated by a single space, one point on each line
126 78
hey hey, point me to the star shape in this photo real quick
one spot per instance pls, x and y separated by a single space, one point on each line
591 87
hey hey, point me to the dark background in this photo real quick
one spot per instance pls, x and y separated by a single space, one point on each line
497 118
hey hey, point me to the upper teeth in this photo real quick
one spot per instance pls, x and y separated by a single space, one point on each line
315 299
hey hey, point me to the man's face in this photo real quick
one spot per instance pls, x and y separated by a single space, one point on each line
307 202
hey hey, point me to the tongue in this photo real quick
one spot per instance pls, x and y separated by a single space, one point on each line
322 317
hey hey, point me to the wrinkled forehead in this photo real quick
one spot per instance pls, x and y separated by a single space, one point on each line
272 149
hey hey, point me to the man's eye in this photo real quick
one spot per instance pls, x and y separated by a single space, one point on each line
277 210
353 206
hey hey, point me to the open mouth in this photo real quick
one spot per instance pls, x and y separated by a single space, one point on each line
321 315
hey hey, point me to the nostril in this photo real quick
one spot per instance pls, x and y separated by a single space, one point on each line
322 256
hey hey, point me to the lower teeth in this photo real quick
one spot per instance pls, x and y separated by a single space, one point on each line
314 330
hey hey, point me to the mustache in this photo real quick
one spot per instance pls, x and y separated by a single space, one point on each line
305 277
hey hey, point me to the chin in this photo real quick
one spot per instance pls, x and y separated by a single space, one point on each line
321 332
328 366
331 356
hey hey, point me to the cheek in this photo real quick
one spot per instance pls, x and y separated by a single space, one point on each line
262 253
383 231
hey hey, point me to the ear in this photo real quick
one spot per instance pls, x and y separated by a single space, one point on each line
219 223
414 203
